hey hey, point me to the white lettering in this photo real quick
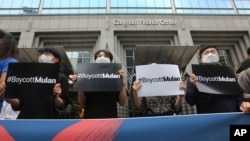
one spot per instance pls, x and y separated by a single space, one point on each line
240 132
125 23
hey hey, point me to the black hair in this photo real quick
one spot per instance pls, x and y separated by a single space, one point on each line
204 47
50 49
106 52
9 45
248 50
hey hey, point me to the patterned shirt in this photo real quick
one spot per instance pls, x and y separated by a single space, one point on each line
158 105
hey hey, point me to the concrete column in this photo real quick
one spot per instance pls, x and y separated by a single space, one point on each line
26 39
185 37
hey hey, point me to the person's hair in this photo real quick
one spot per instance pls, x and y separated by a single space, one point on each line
204 47
106 52
9 46
248 50
50 49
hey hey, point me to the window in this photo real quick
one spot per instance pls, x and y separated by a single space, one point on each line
225 58
76 57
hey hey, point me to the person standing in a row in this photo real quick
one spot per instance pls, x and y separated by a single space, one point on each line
8 54
44 107
207 102
102 104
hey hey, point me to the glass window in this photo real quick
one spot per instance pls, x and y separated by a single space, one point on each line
46 3
151 11
203 4
162 3
150 3
195 4
244 11
93 3
75 3
212 4
132 3
113 3
122 3
242 3
132 11
130 60
141 3
225 58
64 3
54 3
102 3
18 4
6 4
76 57
84 3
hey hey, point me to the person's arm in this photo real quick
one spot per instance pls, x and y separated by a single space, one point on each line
15 103
244 82
81 99
136 85
123 95
123 92
58 92
178 102
2 83
191 91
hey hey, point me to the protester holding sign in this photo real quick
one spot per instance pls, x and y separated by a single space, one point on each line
39 105
157 102
157 105
8 54
102 104
207 102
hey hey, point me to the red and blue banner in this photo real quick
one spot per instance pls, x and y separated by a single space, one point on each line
207 127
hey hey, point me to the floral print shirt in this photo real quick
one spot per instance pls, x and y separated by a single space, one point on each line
158 105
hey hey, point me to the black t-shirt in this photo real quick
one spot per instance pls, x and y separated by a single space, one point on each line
42 106
101 104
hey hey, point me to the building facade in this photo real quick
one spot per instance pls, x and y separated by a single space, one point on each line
82 27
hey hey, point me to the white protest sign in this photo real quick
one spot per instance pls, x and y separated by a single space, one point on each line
158 80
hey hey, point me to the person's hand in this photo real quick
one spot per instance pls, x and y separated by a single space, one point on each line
245 107
122 74
193 79
57 90
137 85
2 88
182 86
73 78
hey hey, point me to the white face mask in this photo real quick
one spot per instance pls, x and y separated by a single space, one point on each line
45 59
210 58
102 60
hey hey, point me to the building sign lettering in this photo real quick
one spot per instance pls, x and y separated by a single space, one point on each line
144 22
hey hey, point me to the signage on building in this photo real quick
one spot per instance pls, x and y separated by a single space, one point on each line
144 22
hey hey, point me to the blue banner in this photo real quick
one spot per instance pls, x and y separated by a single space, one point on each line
207 127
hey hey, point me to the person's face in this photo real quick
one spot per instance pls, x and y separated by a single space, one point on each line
101 54
47 57
102 58
209 50
209 56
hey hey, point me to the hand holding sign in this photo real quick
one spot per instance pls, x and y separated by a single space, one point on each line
158 80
